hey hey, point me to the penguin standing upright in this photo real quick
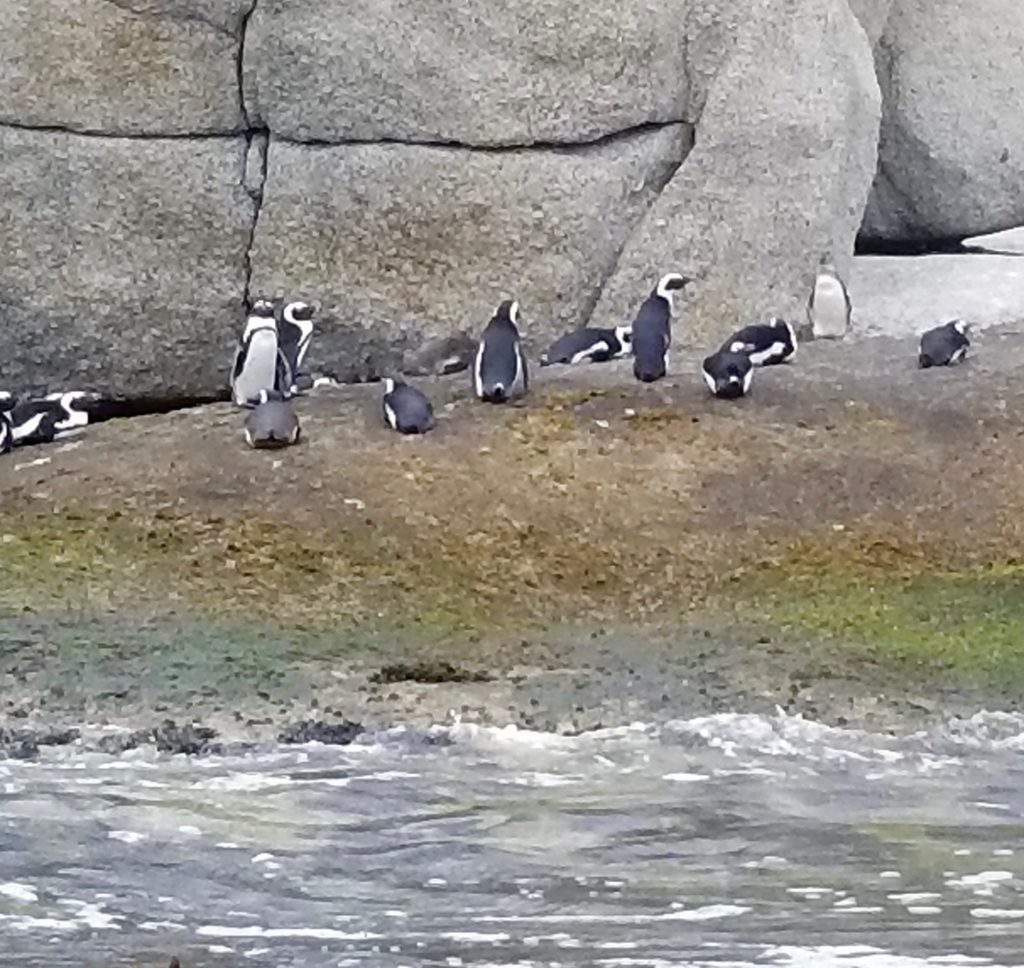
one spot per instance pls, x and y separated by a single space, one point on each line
272 423
589 344
765 343
406 409
6 435
652 329
500 371
829 309
294 334
728 373
944 345
257 360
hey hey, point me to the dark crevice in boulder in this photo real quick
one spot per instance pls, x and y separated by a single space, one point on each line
103 409
254 177
556 146
661 179
911 247
243 33
120 135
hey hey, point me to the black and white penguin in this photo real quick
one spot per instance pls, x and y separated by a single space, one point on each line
43 419
829 308
500 372
589 344
652 329
728 373
6 435
765 343
406 409
944 345
294 334
272 423
257 360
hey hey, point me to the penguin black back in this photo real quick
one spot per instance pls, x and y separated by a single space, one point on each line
765 343
500 371
406 409
589 343
944 345
652 329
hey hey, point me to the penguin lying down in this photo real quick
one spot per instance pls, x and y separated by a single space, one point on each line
944 345
40 420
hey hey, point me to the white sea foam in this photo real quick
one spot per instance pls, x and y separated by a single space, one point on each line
19 892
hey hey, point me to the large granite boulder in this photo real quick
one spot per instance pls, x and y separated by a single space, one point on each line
951 158
784 158
399 243
122 262
473 72
120 67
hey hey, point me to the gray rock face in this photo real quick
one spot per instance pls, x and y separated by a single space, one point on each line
951 158
121 66
873 15
474 72
400 243
779 175
122 262
895 296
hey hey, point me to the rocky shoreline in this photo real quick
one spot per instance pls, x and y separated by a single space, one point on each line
843 544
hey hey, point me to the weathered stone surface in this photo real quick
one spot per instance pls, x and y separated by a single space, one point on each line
398 243
872 15
122 66
897 296
951 158
122 262
474 72
784 158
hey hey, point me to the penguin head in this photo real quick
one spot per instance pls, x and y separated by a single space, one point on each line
728 373
624 334
669 283
961 327
508 311
298 311
263 308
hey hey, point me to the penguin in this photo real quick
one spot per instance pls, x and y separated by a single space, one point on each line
944 345
272 423
652 329
41 420
257 359
586 343
406 409
500 372
294 334
767 344
728 373
829 308
7 401
6 434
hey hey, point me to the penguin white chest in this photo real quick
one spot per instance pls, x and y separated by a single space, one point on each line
830 313
259 368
